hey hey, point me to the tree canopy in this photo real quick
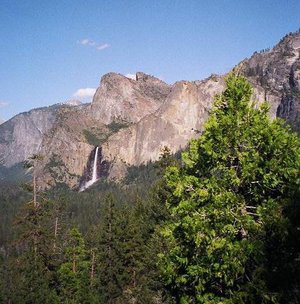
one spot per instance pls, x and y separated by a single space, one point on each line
229 204
222 223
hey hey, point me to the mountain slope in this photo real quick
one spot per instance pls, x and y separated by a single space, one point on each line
178 120
131 120
22 136
119 98
276 73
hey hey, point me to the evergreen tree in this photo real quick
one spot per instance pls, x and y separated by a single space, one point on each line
110 267
228 204
135 254
34 260
123 254
33 248
74 273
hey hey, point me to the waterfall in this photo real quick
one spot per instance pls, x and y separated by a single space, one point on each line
94 176
90 182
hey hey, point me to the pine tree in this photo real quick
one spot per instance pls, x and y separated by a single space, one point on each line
134 252
228 204
74 273
33 247
110 267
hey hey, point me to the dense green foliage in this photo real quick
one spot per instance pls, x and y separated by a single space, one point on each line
87 247
97 136
115 126
220 227
230 203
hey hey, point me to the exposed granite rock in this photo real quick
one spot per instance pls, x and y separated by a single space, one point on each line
178 120
132 120
65 135
118 102
123 99
275 74
66 143
22 136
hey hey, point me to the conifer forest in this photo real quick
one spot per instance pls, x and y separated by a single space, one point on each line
217 223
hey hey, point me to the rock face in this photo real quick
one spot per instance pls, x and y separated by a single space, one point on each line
22 136
275 74
131 120
66 134
118 103
275 77
65 148
123 99
178 120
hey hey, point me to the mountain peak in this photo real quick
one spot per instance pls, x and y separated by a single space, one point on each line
275 75
293 39
120 98
141 76
152 114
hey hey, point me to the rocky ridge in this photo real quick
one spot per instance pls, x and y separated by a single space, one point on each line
118 103
120 98
22 136
131 120
275 74
179 119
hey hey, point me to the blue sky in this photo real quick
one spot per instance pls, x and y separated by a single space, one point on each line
53 51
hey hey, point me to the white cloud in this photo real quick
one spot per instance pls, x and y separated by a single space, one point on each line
85 92
103 46
92 43
87 41
83 41
131 76
3 104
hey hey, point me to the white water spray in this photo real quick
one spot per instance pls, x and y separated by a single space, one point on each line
94 176
94 173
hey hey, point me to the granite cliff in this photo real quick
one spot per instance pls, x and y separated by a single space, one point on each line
123 99
131 120
179 119
22 136
276 74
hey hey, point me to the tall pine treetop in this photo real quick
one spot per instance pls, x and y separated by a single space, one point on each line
228 203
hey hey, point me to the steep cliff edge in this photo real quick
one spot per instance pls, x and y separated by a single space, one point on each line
119 98
131 120
65 147
178 120
22 136
66 134
118 103
276 73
